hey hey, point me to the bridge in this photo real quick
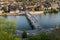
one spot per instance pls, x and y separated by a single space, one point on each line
38 29
33 20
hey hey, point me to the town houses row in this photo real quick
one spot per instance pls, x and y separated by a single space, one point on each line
40 5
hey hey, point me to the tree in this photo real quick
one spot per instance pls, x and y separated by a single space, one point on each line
24 34
7 30
5 9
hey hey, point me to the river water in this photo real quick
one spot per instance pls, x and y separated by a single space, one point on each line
21 21
45 20
48 20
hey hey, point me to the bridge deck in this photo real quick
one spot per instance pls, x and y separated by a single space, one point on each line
34 21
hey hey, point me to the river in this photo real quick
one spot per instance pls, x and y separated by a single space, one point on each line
45 20
48 20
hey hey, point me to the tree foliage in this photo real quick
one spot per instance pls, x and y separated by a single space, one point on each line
24 34
7 30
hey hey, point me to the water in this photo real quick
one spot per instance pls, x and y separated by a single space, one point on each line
45 20
48 20
21 22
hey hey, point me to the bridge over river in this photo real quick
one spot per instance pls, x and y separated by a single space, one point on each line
36 25
33 21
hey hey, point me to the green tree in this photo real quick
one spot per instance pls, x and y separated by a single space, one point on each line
7 30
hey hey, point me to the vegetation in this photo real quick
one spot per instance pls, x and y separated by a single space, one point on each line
55 35
7 30
6 10
50 11
24 34
37 9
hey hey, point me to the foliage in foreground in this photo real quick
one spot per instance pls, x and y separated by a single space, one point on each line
7 30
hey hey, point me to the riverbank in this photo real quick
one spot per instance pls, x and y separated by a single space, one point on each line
36 12
13 13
